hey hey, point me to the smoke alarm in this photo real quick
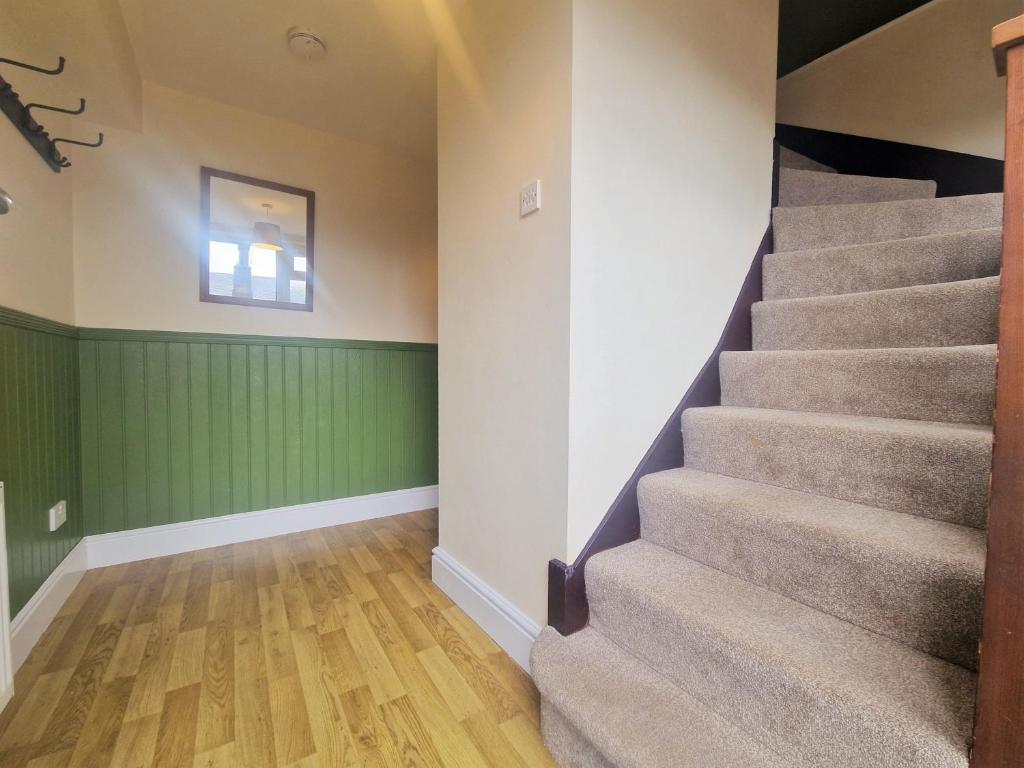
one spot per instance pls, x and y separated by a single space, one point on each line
305 44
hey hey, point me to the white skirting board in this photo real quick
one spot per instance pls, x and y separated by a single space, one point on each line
33 619
508 626
174 538
106 549
7 668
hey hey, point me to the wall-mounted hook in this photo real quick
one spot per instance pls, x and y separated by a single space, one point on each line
80 110
97 143
57 71
21 116
31 123
62 161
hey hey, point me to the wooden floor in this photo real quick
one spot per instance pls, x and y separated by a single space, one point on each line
325 648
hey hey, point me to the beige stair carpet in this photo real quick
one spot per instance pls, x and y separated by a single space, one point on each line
806 591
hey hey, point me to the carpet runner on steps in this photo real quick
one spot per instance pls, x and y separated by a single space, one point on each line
952 384
806 591
936 315
831 226
798 187
889 264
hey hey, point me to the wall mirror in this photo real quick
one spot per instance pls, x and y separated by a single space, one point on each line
256 242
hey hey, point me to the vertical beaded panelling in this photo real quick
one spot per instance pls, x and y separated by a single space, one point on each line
179 427
39 446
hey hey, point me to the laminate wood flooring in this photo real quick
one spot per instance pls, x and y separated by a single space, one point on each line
324 648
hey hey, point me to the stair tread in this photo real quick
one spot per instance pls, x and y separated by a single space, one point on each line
905 290
822 226
904 576
853 421
947 384
790 675
897 263
630 713
960 313
805 187
920 467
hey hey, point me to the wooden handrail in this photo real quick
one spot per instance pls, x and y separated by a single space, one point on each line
1004 37
999 712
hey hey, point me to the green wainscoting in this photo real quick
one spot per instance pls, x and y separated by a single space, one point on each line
39 446
180 426
137 428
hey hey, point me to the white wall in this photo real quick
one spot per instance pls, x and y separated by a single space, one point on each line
36 274
673 120
504 119
36 240
136 210
926 78
567 338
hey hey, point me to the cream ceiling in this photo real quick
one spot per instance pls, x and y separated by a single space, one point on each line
376 84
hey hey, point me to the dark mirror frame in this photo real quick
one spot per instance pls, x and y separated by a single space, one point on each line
205 174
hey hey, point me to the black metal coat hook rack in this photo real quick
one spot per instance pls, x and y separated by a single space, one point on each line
21 115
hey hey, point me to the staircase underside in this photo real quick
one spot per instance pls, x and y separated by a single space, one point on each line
806 591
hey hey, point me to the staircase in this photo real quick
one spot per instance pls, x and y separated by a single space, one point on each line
806 591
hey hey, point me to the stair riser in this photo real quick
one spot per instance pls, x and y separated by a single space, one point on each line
878 266
760 695
943 476
569 748
955 384
798 229
800 188
931 605
950 314
790 159
594 689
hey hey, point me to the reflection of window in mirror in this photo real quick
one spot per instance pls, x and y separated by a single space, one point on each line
256 245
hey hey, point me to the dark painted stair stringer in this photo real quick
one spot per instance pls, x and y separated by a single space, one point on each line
567 597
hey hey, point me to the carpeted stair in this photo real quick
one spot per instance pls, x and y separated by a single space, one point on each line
808 187
807 590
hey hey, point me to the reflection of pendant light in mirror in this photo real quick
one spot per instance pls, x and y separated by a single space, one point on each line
265 234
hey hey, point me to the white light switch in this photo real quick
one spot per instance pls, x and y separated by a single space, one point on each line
529 199
58 515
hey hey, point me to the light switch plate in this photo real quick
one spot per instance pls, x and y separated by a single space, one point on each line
529 199
58 515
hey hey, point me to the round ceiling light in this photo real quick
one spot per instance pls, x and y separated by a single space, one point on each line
305 44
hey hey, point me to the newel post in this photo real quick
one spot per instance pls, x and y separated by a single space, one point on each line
999 714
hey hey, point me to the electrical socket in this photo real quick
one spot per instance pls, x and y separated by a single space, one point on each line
58 515
529 199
